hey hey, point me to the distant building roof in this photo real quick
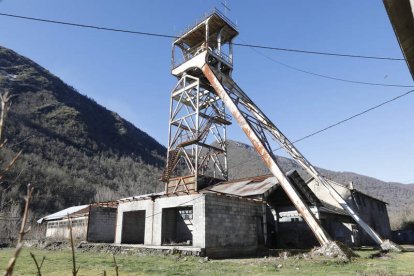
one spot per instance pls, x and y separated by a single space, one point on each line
265 184
370 196
74 210
352 188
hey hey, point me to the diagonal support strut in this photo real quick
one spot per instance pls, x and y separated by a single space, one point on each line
267 156
253 122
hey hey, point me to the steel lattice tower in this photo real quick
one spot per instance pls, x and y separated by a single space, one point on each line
197 152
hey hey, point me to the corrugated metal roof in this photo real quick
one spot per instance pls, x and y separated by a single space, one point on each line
64 213
355 190
245 187
259 185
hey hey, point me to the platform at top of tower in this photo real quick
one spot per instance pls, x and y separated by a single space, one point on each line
216 21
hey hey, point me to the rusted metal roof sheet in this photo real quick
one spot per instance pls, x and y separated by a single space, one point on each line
246 187
71 211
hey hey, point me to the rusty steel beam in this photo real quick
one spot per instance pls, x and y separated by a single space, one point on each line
401 15
288 146
267 156
257 120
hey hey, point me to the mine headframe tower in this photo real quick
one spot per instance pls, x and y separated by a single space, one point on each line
197 152
202 60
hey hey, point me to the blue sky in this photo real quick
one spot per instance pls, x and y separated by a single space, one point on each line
131 74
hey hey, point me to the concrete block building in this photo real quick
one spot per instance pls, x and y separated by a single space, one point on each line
230 218
213 224
241 217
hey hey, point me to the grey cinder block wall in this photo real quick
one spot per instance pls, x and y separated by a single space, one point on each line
233 226
101 225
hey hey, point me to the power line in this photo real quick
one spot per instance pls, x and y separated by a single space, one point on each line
181 204
316 52
340 122
327 76
172 36
350 118
253 47
86 26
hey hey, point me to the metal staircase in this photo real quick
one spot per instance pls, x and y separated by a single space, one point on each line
172 159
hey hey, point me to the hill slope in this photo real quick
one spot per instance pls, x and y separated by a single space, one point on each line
73 148
244 162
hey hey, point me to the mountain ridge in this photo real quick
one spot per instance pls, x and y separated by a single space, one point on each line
74 148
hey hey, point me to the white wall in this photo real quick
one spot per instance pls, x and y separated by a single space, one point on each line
153 217
60 228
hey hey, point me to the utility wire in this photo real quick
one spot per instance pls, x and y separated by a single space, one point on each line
315 52
350 118
181 204
253 47
86 26
172 36
158 213
340 122
327 76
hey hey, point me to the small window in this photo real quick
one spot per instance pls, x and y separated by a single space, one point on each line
186 214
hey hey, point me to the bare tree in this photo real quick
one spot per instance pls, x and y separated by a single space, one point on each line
11 163
5 103
74 269
116 265
9 216
9 223
38 266
23 231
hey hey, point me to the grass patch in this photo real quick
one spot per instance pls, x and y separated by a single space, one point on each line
59 263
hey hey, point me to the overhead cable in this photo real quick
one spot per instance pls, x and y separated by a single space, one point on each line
351 117
339 122
172 36
327 76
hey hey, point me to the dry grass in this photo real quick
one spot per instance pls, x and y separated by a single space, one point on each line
59 263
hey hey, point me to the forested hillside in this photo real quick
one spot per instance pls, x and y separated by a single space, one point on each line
74 150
